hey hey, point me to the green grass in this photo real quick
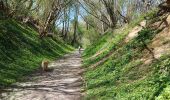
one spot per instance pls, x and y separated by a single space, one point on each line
110 41
21 51
107 43
123 76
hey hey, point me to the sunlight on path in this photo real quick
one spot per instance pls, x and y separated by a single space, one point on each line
63 83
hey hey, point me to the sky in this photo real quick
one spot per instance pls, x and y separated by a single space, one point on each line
72 14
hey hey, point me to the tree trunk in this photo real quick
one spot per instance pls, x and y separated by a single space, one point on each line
109 5
75 24
2 5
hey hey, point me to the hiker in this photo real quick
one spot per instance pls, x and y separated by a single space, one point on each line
80 47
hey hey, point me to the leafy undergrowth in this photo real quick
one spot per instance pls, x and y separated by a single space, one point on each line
21 51
109 42
125 75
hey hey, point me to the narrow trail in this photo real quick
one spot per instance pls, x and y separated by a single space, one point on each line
64 82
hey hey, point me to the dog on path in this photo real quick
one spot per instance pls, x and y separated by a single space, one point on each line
44 65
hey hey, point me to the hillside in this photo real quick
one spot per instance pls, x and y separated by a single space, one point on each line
22 51
85 49
131 63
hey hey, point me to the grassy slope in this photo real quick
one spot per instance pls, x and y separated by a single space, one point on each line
106 44
124 76
21 50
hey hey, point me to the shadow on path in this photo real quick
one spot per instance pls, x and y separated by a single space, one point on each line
64 82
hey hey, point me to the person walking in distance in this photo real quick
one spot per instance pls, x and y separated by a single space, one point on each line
80 47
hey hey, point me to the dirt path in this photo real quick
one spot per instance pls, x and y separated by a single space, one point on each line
64 82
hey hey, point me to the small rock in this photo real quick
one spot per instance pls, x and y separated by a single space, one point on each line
4 94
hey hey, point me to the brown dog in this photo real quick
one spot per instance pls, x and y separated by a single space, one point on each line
44 65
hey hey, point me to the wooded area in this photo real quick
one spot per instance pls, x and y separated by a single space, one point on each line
67 17
123 49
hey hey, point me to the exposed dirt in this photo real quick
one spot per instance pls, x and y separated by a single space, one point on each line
63 82
160 43
134 33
